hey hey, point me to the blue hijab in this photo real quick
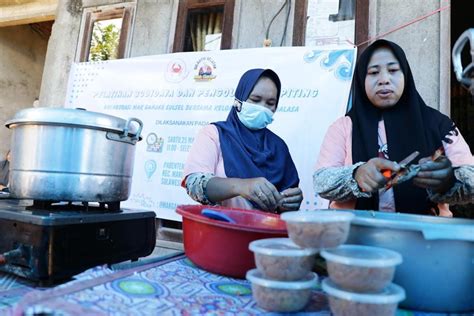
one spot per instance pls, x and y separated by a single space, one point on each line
255 153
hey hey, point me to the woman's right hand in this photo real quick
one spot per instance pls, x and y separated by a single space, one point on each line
369 176
262 192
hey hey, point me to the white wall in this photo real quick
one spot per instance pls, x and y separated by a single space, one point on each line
154 27
426 43
251 20
62 48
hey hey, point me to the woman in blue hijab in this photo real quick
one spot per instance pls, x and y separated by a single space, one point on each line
239 162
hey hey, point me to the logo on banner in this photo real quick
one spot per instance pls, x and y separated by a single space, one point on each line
154 143
150 168
176 71
204 69
340 62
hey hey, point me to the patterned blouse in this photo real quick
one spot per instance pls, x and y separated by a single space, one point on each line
334 180
463 190
196 184
205 162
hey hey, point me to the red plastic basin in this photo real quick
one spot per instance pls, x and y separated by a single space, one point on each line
221 247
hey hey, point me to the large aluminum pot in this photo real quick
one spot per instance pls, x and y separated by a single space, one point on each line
72 155
437 272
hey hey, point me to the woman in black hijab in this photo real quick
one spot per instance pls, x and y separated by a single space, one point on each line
387 122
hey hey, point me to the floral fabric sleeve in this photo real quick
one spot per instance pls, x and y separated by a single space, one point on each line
338 183
196 184
463 190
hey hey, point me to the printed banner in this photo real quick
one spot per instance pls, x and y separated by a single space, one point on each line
177 94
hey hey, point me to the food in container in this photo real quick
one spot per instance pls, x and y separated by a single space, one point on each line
281 259
345 303
361 268
318 229
281 296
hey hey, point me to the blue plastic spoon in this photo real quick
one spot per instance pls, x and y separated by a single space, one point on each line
213 214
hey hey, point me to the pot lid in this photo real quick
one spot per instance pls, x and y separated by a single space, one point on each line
363 256
280 247
74 117
392 294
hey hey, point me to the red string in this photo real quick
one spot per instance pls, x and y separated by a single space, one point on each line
402 26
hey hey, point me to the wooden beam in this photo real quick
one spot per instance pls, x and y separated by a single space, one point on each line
299 22
18 12
362 24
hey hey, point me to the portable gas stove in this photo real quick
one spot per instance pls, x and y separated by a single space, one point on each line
50 242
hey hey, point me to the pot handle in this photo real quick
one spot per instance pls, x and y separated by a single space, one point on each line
127 127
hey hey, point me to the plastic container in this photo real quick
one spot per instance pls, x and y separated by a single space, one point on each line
281 259
361 268
221 247
318 229
281 296
343 303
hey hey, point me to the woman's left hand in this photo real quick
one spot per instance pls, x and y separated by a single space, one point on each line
436 175
291 199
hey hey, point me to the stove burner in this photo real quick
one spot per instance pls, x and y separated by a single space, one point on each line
50 242
53 206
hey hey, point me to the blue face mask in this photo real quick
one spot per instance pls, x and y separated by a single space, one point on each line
254 116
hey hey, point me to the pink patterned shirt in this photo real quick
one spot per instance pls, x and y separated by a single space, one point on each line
333 178
204 162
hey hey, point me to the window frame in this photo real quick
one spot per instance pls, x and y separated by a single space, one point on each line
126 11
181 21
361 22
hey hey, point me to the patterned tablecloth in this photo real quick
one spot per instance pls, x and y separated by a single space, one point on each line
173 286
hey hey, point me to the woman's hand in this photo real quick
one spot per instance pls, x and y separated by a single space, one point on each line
369 176
262 192
436 175
291 199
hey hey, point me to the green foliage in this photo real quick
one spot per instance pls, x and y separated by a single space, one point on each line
104 43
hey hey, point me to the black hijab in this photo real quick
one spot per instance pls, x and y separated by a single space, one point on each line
410 125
